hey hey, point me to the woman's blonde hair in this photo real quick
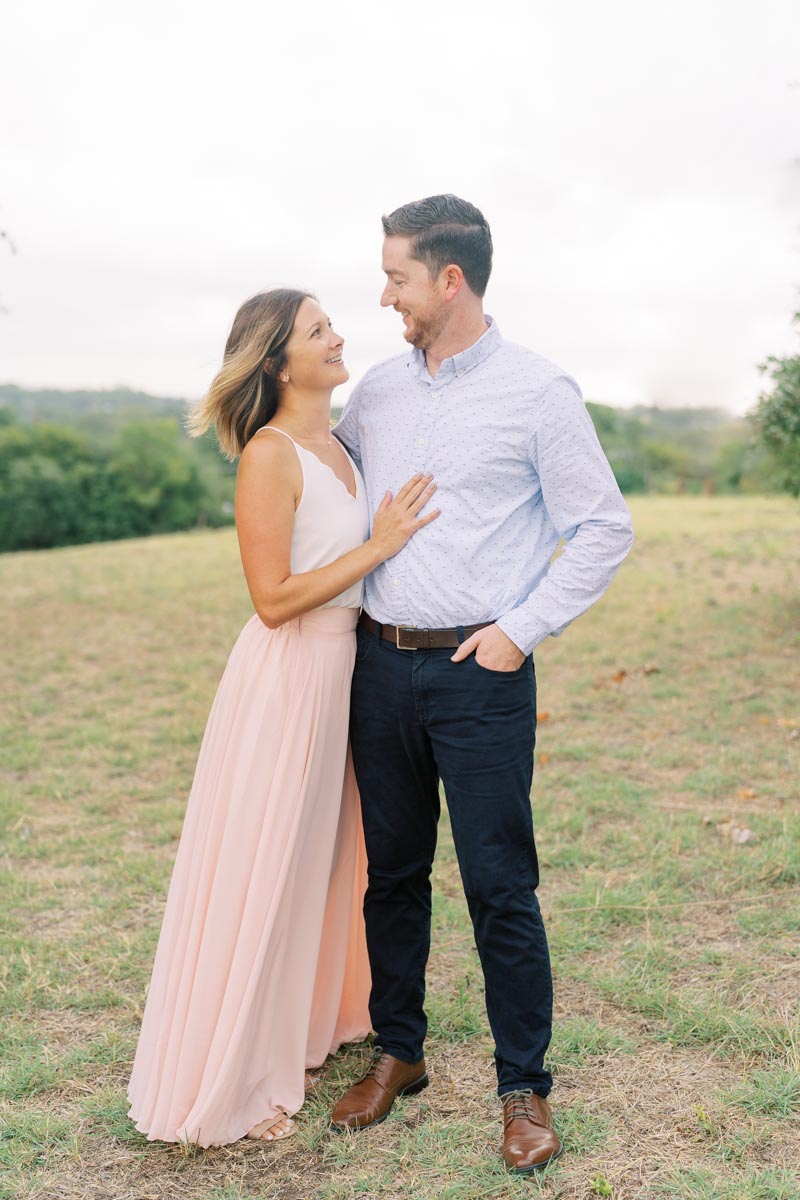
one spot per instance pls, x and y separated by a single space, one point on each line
244 393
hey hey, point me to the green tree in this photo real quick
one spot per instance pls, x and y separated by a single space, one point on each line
777 416
60 486
157 479
40 505
40 499
621 438
743 464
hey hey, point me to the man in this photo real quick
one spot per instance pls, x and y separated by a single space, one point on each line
444 684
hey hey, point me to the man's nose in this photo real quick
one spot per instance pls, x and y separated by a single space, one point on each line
388 296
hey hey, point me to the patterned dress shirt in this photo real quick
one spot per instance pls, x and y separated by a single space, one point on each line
518 468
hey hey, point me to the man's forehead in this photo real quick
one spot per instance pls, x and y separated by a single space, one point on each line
397 254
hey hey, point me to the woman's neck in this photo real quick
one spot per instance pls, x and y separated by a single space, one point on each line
305 416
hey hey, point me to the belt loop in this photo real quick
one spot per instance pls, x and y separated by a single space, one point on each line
460 632
370 626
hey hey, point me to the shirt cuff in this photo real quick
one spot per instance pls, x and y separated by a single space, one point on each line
526 634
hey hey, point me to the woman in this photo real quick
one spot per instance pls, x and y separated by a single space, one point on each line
261 967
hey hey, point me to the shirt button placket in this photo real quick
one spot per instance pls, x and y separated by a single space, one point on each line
422 437
398 597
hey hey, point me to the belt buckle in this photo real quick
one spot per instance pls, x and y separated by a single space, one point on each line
400 630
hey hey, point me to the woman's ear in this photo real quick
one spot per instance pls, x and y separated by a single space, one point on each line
269 369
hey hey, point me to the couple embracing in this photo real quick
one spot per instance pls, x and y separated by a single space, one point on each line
401 569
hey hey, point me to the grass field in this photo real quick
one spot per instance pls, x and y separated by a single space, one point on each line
669 726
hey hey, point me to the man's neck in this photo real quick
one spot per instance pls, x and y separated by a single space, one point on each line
459 335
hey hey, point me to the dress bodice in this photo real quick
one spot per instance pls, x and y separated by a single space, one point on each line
328 521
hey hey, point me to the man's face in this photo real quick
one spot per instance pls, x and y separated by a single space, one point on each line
411 292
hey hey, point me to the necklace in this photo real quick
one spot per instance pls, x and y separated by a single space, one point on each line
319 442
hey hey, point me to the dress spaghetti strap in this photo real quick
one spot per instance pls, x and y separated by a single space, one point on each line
275 429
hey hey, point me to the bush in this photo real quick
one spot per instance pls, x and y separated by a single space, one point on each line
58 487
778 417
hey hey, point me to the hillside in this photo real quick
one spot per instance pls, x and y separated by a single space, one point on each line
650 448
74 407
96 465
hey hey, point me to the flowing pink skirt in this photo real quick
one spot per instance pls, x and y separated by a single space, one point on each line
261 968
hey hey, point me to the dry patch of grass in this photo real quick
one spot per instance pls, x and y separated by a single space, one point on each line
670 712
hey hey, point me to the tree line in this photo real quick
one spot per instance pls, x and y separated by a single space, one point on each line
87 466
63 485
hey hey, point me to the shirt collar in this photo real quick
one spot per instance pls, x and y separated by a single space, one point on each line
459 364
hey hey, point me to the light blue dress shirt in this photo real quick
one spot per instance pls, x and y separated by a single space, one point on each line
518 468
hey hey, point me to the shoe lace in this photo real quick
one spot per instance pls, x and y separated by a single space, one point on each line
377 1055
519 1105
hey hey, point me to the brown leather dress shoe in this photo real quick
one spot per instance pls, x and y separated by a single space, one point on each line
368 1102
529 1140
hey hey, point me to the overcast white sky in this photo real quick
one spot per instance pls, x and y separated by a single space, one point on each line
161 161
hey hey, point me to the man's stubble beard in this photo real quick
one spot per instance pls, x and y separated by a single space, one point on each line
427 328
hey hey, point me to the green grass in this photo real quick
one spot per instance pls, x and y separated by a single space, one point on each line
578 1040
775 1092
750 1184
670 713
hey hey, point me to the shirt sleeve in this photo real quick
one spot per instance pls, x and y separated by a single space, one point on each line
346 429
586 507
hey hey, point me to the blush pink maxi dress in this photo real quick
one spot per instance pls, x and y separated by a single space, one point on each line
261 968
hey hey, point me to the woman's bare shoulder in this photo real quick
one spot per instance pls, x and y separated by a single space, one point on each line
268 447
268 462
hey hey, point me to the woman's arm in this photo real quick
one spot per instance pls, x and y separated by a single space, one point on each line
268 487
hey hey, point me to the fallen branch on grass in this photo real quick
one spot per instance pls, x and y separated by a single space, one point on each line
749 901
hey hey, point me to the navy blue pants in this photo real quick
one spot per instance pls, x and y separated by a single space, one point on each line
417 717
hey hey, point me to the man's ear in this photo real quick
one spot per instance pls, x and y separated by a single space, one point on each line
453 280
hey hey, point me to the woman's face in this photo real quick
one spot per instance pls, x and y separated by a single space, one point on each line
314 353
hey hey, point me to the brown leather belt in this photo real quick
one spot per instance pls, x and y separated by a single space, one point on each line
408 637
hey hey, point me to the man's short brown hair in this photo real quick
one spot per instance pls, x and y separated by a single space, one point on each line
443 230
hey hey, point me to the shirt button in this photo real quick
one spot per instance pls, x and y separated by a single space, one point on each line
420 442
434 395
